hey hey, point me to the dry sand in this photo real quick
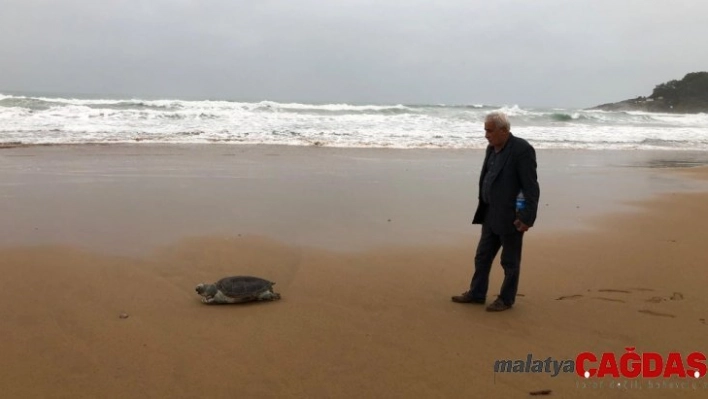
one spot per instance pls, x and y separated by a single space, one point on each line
364 315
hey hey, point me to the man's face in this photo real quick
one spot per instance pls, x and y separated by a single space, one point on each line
494 135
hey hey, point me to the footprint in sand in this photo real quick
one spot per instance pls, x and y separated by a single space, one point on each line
656 299
608 299
611 290
676 296
702 321
653 313
561 298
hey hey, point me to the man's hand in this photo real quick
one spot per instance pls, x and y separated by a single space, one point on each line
520 226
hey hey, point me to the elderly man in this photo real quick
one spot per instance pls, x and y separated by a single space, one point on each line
509 169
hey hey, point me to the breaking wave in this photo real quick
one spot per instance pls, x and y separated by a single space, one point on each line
39 120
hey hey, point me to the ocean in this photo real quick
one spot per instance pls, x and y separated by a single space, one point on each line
46 120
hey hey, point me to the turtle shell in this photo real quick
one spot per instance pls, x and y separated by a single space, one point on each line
243 287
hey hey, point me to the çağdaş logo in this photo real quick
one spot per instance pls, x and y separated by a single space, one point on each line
629 365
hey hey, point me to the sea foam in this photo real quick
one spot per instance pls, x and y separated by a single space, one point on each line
62 120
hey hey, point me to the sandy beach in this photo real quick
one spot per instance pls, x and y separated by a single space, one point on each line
365 246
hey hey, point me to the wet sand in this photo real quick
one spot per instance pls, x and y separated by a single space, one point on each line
365 246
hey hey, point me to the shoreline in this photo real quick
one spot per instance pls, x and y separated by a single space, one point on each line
132 198
144 144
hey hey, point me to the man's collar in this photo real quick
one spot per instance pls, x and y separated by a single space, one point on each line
506 143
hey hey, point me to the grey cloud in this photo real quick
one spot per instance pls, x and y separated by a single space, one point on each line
556 53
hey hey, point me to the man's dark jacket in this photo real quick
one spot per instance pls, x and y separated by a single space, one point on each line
518 173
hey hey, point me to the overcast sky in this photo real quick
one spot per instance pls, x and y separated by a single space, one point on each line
532 53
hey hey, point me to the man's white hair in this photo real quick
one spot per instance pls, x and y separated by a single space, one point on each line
499 119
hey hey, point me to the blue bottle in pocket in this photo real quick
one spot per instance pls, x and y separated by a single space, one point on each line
520 203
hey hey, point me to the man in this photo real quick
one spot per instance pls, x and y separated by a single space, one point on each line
509 168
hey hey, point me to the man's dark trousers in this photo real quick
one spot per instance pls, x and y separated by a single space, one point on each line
487 250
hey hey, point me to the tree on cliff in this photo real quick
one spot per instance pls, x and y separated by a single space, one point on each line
691 91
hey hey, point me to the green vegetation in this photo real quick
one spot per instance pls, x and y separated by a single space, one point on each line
688 95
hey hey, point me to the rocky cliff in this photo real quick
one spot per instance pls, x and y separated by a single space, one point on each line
688 95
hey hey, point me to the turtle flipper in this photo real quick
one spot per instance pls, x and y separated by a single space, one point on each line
219 298
268 296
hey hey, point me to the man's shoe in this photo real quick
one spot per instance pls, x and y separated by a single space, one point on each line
498 306
467 298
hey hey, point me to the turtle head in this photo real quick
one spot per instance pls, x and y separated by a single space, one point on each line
206 290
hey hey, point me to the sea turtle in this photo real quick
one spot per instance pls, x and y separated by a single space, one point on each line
237 289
